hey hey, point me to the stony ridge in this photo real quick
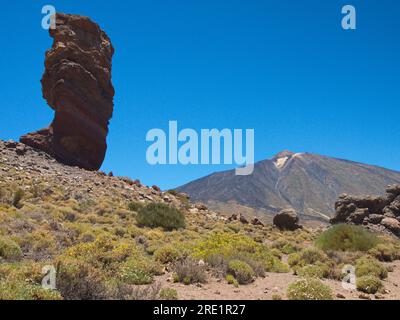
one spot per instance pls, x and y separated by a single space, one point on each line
376 213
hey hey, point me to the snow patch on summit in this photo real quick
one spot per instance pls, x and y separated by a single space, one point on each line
280 162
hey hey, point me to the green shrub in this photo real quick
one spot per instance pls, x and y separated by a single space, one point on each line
22 281
135 206
313 271
9 250
289 248
189 271
136 276
306 257
104 253
160 215
309 289
18 195
231 280
369 284
138 271
242 272
285 246
312 262
276 297
168 294
167 254
77 280
346 237
384 252
21 290
370 267
173 192
219 248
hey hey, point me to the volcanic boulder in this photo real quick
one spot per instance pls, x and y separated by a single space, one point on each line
77 85
287 219
378 213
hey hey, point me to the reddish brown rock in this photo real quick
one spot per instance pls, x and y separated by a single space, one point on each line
257 222
243 219
238 217
233 217
77 85
201 207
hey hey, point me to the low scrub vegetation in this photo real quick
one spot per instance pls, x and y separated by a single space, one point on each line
369 284
167 254
241 271
189 271
168 294
346 237
309 289
160 215
386 252
113 245
313 262
9 250
218 249
366 266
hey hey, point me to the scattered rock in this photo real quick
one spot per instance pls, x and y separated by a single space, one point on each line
257 222
167 199
364 296
127 180
377 213
137 183
238 217
392 224
233 217
201 207
340 296
375 218
20 150
77 85
287 219
243 219
183 195
10 144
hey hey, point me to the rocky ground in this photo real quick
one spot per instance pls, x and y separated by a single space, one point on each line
276 284
86 224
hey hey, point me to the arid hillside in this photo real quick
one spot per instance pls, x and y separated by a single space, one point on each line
113 238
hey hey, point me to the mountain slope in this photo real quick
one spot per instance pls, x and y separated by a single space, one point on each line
309 183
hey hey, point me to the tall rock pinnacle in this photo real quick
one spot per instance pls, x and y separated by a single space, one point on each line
77 85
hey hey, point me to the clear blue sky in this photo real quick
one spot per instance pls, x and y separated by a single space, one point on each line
285 68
